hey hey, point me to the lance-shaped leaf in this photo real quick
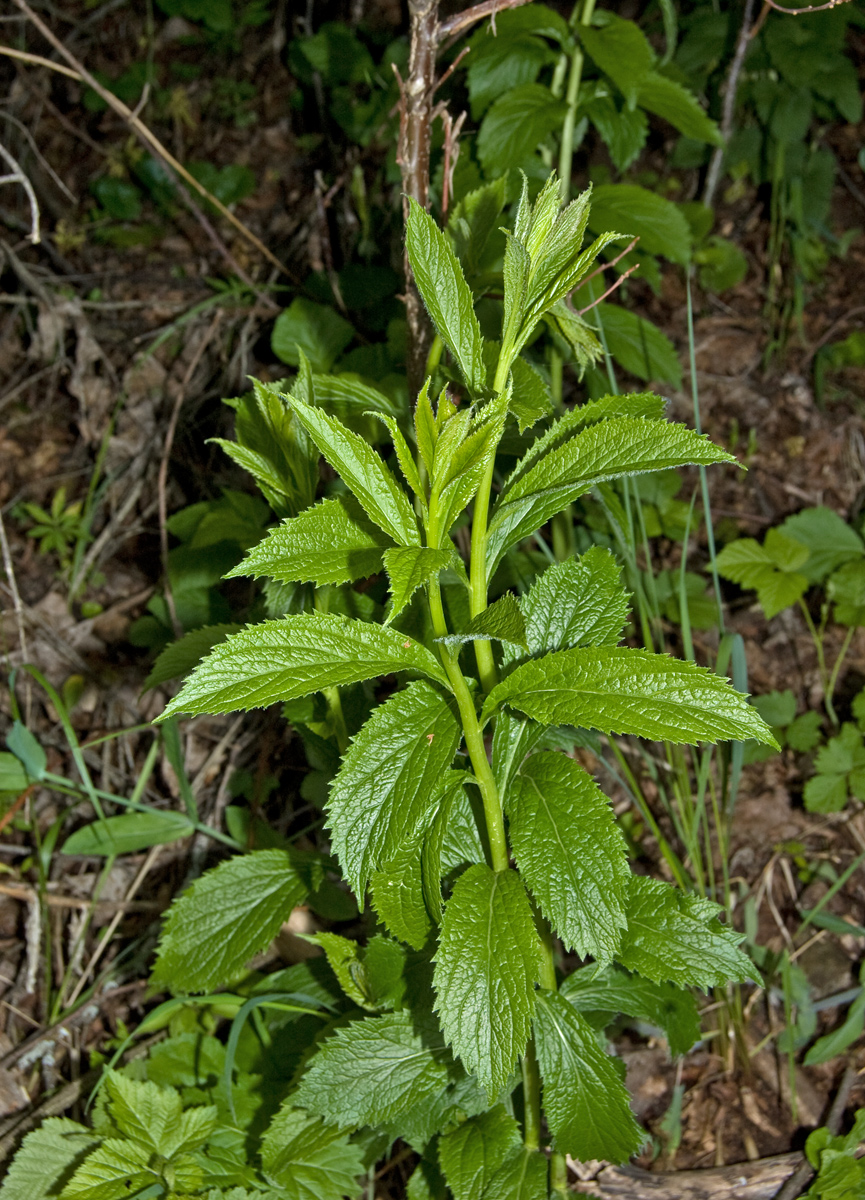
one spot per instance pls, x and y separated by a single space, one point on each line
612 448
486 969
460 463
634 404
293 657
332 542
473 220
580 602
473 1152
225 918
446 294
372 1070
405 458
677 938
389 778
502 621
618 690
606 993
570 852
585 1099
379 493
308 1159
676 104
410 567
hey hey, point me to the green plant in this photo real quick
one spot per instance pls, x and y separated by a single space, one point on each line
840 1172
465 986
814 547
57 529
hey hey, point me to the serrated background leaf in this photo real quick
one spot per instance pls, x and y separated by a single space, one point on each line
515 125
486 968
474 1151
677 938
295 656
620 49
114 1170
446 294
372 1070
637 344
668 99
332 542
619 690
308 1159
46 1159
585 1099
522 1176
570 852
673 1009
580 602
224 918
388 779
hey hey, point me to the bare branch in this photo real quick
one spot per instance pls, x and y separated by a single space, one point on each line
18 176
471 16
612 288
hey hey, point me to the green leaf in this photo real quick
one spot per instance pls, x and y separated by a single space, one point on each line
661 225
836 1042
389 778
309 1160
407 464
398 893
411 567
312 329
446 294
515 125
825 793
846 587
486 968
474 1151
129 833
273 447
677 938
773 569
623 130
523 1176
638 345
585 1099
502 62
460 463
372 1070
224 919
619 690
570 853
830 540
607 450
473 219
152 1116
187 652
115 1170
332 542
621 51
13 777
25 747
776 708
580 602
501 621
295 656
46 1160
672 1009
805 732
668 99
379 493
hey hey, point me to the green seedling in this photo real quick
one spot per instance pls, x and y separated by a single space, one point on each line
57 529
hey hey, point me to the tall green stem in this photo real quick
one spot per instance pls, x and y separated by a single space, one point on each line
531 1098
474 739
566 154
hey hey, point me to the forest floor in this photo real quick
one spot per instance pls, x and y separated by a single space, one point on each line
103 347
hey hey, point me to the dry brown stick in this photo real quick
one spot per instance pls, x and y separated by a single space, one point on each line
617 283
803 1175
143 132
163 467
55 901
714 172
413 157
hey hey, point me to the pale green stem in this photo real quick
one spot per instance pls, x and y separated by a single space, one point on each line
474 739
566 154
817 639
833 678
531 1098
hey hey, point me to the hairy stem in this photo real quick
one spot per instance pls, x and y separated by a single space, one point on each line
474 739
